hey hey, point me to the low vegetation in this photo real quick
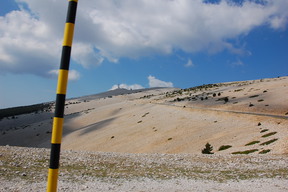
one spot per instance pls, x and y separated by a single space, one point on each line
254 96
208 149
245 152
269 134
224 147
265 151
264 130
252 143
12 112
269 142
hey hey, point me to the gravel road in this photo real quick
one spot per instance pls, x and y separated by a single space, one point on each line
25 169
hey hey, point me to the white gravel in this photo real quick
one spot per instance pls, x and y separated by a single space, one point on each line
25 169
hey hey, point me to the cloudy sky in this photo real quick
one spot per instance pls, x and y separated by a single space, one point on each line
138 44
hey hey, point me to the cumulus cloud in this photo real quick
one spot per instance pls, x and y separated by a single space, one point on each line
189 63
25 46
72 76
154 82
30 39
125 86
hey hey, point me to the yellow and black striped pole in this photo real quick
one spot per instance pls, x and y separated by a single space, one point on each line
60 97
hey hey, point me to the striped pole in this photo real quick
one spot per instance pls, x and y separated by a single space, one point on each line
60 97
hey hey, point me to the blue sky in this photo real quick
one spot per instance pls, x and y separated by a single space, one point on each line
138 44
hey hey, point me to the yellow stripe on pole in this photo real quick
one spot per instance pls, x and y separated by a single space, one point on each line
62 81
68 34
57 130
52 180
74 0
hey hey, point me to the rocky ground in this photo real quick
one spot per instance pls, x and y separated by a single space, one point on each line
25 169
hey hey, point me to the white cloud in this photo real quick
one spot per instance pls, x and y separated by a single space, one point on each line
189 63
85 54
125 86
25 45
72 76
30 40
153 82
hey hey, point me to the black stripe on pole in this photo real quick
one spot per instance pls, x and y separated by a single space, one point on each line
60 104
65 58
71 12
55 156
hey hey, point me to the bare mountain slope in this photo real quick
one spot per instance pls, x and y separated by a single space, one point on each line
249 116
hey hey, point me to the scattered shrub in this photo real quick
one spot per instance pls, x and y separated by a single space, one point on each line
208 149
145 114
264 151
245 152
169 139
224 147
264 130
225 99
269 134
269 142
12 112
254 96
252 143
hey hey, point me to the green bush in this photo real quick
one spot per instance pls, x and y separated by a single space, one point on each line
245 152
252 143
269 142
264 151
269 134
224 147
208 149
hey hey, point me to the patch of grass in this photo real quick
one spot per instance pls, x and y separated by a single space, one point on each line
224 147
252 143
265 151
269 142
245 152
264 130
269 134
